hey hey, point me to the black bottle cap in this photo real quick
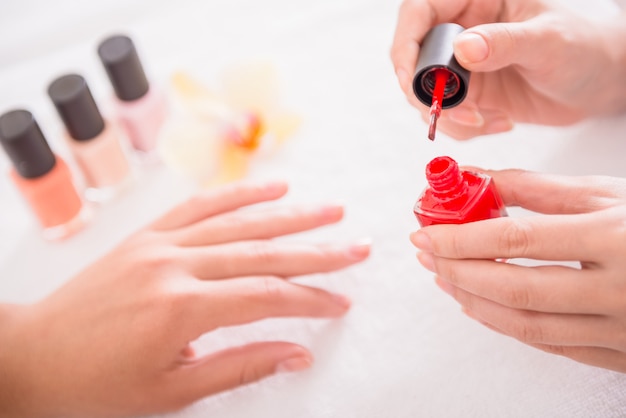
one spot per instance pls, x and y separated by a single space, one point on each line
437 51
122 64
25 144
76 106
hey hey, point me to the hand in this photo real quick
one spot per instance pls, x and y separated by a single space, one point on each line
531 61
114 341
579 313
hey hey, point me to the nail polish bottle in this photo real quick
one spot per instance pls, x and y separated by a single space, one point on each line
456 196
94 142
42 177
437 53
141 107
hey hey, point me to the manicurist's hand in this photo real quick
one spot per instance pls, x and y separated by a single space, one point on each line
531 61
114 341
579 313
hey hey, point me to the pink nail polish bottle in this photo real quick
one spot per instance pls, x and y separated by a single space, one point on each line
94 142
456 196
43 178
141 107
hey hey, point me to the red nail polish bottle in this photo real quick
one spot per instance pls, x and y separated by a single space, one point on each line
455 196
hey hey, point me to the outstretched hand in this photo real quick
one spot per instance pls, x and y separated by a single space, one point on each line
115 340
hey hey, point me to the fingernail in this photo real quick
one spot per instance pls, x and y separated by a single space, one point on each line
342 300
295 364
360 250
331 212
467 312
275 187
471 48
426 260
445 286
422 241
501 124
466 116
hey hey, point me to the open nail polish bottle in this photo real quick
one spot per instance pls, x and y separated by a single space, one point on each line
440 82
94 142
456 196
43 178
141 107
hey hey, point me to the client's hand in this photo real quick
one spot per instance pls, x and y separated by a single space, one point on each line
114 341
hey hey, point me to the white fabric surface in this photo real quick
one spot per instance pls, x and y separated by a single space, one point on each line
405 349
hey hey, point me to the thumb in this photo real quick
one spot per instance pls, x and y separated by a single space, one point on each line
237 366
493 46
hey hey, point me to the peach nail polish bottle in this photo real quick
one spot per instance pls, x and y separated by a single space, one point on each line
141 107
94 142
456 196
42 177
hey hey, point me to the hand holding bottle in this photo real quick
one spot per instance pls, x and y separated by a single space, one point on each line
114 341
575 312
532 61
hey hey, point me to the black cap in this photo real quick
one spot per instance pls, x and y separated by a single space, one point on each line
25 144
121 62
76 106
437 51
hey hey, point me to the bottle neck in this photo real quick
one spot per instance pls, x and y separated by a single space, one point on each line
445 179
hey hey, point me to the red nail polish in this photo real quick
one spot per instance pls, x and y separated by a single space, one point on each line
456 196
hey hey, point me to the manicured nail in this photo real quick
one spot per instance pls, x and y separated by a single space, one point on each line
445 286
342 300
360 250
295 364
426 260
471 48
331 212
466 116
275 187
500 124
422 241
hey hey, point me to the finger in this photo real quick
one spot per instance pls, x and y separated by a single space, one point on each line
415 18
605 358
466 121
554 289
494 46
216 201
235 367
251 225
243 300
549 193
284 259
533 327
554 237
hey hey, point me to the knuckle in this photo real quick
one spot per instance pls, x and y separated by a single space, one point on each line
515 239
448 270
249 373
457 245
527 331
263 253
158 261
519 298
273 288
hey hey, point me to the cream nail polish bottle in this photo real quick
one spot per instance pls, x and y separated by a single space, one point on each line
141 107
43 178
94 142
